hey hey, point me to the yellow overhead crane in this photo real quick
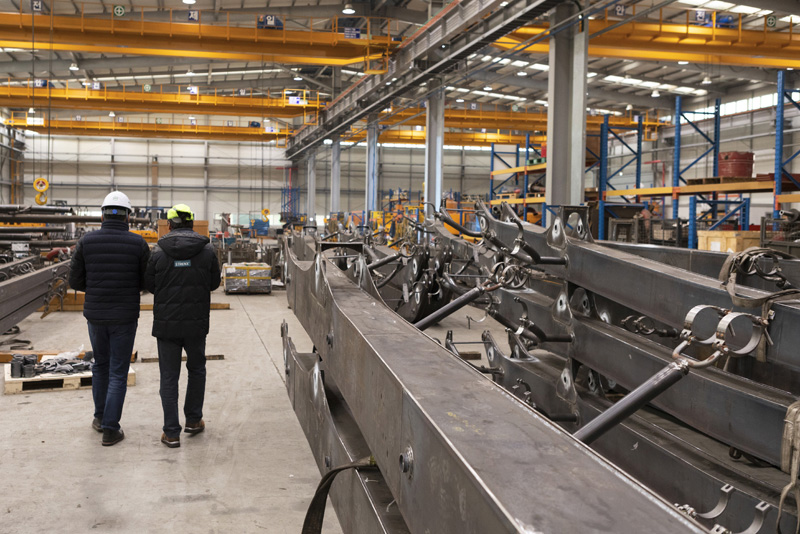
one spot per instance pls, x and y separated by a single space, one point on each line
188 36
685 41
414 137
178 99
491 118
108 128
212 36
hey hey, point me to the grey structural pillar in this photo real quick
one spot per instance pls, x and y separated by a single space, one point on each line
371 194
336 175
311 197
434 147
566 111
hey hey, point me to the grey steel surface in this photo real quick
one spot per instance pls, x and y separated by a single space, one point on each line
674 463
22 295
661 291
482 462
705 262
363 499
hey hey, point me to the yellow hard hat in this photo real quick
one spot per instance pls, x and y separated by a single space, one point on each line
180 211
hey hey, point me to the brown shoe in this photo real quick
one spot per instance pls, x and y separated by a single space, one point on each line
195 428
172 443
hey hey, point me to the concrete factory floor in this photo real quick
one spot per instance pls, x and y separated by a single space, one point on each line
251 471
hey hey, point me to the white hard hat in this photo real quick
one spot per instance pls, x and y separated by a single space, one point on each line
117 199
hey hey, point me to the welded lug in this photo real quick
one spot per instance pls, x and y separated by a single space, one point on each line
725 493
518 349
761 511
565 388
582 302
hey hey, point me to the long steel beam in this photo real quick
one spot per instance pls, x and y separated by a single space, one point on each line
22 295
661 291
680 465
407 395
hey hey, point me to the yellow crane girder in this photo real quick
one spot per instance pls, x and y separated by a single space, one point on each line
148 130
414 137
494 119
139 101
661 41
115 35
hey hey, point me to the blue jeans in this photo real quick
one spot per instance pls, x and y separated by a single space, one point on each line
112 346
170 352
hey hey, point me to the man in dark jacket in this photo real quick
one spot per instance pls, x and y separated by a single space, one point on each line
109 265
182 272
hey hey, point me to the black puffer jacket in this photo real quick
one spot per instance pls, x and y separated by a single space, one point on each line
182 272
109 264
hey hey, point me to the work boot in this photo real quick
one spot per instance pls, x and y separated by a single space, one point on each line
195 428
97 424
172 443
112 437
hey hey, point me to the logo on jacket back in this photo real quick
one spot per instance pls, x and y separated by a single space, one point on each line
183 263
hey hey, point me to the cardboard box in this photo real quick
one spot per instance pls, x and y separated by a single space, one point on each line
727 240
201 227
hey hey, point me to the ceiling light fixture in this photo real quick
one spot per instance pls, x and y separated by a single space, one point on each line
297 78
487 88
189 2
706 81
522 73
112 114
683 62
348 9
74 66
31 111
655 93
459 100
629 107
190 72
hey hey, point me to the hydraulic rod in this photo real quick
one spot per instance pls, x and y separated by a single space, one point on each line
383 261
454 306
634 400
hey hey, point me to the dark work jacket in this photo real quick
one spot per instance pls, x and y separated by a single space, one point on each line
109 264
182 272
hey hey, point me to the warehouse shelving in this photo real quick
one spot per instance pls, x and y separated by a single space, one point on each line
780 162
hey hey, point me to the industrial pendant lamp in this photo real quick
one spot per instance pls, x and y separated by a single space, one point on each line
348 9
189 2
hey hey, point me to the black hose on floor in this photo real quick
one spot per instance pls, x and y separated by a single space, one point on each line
316 510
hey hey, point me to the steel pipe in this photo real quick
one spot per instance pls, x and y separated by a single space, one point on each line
452 306
634 400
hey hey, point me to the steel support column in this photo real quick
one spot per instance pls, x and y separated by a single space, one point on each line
311 196
336 175
434 149
371 198
566 112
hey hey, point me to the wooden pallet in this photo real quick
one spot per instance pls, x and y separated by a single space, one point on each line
718 180
74 300
5 357
52 382
152 359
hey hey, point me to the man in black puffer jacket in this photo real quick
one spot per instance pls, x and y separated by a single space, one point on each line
109 265
182 272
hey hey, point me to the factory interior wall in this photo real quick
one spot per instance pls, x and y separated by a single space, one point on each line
244 178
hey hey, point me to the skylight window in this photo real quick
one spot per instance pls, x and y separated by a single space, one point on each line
746 10
539 66
692 2
794 19
632 81
519 63
613 79
651 85
720 6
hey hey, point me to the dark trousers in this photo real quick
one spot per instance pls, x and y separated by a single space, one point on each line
112 346
169 363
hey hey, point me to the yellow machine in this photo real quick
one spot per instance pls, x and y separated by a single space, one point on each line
150 236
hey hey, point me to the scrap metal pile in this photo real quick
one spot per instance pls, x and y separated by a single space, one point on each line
638 390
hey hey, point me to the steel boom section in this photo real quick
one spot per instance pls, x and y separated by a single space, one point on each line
411 398
659 290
